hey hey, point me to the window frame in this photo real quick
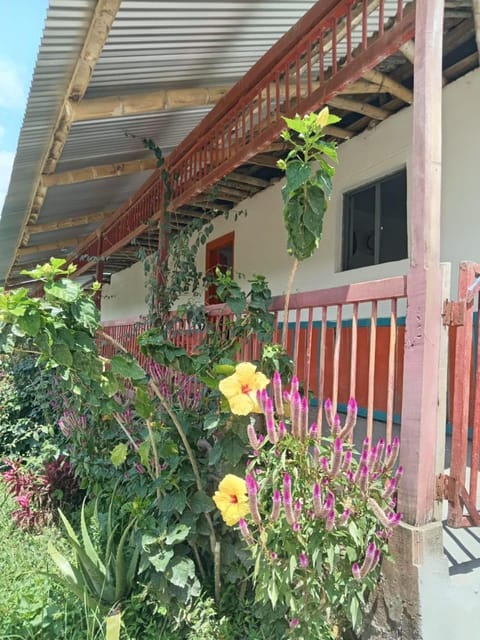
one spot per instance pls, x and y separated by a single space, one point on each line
347 226
227 240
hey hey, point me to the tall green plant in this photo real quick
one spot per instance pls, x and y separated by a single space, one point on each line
307 189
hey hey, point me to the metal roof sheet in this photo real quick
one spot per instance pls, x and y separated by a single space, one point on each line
152 45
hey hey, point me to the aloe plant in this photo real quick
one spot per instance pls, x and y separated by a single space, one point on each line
102 578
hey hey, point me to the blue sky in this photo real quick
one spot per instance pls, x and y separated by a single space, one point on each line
21 27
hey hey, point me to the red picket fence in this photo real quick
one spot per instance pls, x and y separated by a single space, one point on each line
345 342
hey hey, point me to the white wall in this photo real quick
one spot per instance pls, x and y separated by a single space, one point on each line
260 240
125 296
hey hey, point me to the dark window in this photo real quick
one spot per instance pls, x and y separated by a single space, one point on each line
375 222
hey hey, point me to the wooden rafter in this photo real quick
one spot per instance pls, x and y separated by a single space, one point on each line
99 172
68 223
390 85
116 106
364 108
49 246
98 30
408 50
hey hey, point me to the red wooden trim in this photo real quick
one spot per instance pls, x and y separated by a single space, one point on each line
386 289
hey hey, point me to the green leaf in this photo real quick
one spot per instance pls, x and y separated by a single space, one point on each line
182 571
119 454
273 591
292 565
354 611
86 313
30 323
201 503
297 174
63 289
160 560
233 448
127 368
62 355
109 384
144 452
177 534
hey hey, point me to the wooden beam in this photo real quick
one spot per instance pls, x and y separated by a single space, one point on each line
338 132
476 20
49 246
99 172
408 50
416 495
263 160
153 102
356 106
461 67
237 176
390 85
95 38
68 223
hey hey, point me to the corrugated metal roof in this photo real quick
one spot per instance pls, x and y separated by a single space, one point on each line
152 45
65 28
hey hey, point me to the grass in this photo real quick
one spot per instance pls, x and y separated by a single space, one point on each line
32 606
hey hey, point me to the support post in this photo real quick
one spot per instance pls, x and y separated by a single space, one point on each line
162 249
424 284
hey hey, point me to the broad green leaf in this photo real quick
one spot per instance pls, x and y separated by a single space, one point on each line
127 368
62 354
119 454
177 534
144 452
182 571
63 289
297 174
160 560
201 503
109 384
30 323
86 313
272 590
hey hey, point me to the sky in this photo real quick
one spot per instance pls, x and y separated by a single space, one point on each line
21 27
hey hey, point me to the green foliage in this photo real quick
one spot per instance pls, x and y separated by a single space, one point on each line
308 181
319 519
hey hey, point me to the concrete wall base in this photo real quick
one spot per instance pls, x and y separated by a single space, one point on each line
411 603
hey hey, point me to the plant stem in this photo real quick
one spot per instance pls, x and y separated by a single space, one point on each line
188 449
287 302
156 463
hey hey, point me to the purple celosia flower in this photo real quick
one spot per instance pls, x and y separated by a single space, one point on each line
324 464
347 460
296 527
337 456
244 530
392 454
277 393
252 436
343 519
274 556
356 571
350 420
337 425
303 561
252 491
294 385
282 430
328 406
380 448
330 520
294 623
297 508
390 488
317 500
363 480
295 418
369 560
287 482
314 430
276 504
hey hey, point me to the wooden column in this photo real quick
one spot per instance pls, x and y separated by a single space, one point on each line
162 249
99 272
424 285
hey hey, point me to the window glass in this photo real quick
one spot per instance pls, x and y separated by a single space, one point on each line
375 223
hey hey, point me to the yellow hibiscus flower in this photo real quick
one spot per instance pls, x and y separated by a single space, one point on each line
322 117
241 388
231 499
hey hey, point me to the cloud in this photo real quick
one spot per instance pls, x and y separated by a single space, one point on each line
6 163
12 95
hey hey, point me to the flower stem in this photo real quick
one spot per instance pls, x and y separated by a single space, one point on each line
287 302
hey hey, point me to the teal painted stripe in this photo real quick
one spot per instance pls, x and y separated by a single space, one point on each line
331 324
